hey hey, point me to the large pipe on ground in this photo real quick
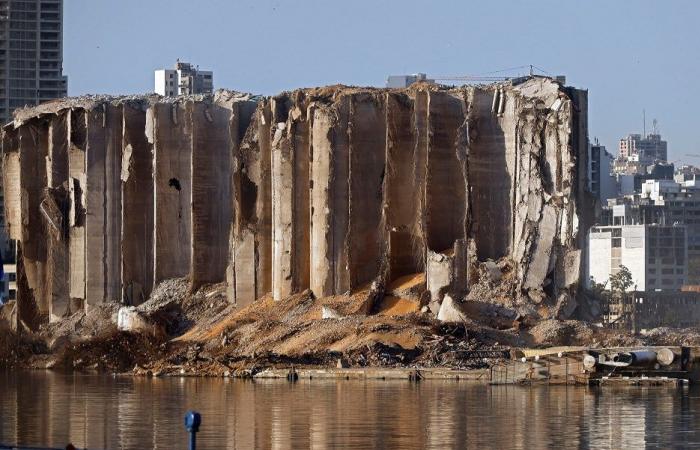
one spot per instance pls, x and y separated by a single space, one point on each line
665 356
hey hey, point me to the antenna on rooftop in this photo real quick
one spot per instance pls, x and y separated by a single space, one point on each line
654 126
644 132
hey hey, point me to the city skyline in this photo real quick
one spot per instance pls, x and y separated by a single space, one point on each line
630 59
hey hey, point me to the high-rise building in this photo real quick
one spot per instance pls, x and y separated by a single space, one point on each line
31 54
656 255
600 181
185 79
645 150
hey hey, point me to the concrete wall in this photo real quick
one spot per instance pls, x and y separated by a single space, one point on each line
172 190
137 207
211 191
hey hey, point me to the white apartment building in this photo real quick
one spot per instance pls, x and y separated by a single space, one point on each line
656 255
185 79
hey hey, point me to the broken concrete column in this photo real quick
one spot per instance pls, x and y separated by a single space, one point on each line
33 151
330 193
242 112
446 195
290 196
54 208
322 280
172 149
77 184
447 272
137 207
252 227
12 187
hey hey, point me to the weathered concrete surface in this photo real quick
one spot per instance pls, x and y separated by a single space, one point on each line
322 280
11 187
77 185
54 209
33 151
103 207
252 227
137 207
172 150
491 165
402 187
211 190
366 237
331 189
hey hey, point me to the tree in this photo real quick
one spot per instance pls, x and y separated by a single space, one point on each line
621 281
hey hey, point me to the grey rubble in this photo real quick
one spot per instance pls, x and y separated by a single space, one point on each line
325 188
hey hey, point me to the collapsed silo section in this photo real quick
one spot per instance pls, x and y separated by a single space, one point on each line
251 233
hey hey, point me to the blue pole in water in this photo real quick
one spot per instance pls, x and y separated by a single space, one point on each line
192 422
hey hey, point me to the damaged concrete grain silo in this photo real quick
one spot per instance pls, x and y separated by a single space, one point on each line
329 189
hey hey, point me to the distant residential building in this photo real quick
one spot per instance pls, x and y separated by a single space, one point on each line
630 183
600 181
185 79
656 255
645 150
402 81
663 202
31 54
686 173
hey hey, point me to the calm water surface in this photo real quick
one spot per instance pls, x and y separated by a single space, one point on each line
51 409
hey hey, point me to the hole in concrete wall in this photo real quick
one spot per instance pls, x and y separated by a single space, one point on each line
174 183
78 131
282 106
249 194
78 208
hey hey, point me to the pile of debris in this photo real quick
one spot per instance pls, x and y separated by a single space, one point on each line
200 333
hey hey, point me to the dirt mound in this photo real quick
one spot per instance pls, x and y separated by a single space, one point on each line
561 332
673 336
113 351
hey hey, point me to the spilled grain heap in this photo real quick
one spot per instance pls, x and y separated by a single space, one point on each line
327 188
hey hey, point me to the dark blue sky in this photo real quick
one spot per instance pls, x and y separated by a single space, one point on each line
630 55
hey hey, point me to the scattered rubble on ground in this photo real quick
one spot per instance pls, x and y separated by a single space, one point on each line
203 334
